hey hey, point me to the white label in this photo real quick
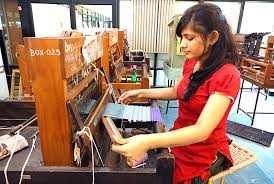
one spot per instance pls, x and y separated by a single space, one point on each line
48 52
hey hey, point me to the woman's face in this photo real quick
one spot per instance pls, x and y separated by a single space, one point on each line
193 44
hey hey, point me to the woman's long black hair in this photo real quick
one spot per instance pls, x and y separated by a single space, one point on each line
204 19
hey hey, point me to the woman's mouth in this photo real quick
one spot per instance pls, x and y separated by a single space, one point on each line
186 52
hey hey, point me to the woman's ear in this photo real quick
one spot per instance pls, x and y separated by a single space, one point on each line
213 37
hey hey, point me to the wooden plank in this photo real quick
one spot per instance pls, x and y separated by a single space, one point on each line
75 115
260 77
121 38
126 86
105 58
91 119
111 129
269 47
92 48
23 63
12 83
74 92
71 55
113 37
14 112
50 99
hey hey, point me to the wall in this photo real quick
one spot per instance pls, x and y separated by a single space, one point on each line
4 91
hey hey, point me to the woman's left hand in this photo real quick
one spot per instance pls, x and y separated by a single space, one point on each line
133 148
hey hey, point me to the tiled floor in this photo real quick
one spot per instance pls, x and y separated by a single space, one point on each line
262 172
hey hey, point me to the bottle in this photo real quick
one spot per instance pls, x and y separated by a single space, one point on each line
133 74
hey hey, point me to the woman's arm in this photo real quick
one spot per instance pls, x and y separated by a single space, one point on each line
208 120
211 115
156 93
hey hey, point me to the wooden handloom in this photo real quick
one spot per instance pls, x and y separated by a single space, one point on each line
113 65
70 96
258 73
19 106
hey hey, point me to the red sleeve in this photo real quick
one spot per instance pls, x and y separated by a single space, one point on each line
226 81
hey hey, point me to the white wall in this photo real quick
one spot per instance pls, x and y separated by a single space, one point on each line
181 6
4 91
126 17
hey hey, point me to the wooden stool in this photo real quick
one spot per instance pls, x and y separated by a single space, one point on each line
241 157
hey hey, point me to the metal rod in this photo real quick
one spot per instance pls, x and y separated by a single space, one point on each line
260 112
240 96
24 124
168 100
255 107
6 119
245 112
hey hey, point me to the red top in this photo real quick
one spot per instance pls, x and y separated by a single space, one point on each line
194 160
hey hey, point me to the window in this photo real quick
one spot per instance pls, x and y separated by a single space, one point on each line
93 16
258 17
231 11
50 24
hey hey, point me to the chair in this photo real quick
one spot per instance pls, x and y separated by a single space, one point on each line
241 157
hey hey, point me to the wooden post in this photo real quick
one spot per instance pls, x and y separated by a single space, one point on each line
105 56
269 46
23 63
53 62
121 37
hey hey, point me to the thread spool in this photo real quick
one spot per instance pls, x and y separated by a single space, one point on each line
135 163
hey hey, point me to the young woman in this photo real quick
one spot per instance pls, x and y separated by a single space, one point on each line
206 92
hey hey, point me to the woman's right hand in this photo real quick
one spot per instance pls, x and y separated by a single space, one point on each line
134 148
129 96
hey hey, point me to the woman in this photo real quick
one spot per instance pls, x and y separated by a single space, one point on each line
206 92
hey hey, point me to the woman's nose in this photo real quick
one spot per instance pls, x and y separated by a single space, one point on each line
183 44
